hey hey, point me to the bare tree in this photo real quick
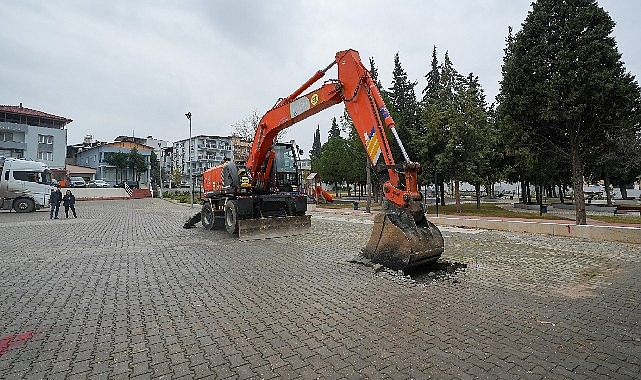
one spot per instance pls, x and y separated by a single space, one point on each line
245 128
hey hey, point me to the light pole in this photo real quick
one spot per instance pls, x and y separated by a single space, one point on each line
149 185
191 183
160 164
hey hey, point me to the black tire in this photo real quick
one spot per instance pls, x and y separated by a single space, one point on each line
231 217
207 217
24 205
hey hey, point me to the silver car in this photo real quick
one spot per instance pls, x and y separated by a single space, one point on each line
98 183
77 182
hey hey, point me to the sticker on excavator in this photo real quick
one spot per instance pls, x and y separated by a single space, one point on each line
267 228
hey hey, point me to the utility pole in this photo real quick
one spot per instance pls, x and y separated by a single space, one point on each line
160 168
191 182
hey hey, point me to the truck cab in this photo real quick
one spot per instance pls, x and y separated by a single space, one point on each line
25 185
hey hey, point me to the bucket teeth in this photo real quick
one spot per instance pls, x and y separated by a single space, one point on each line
399 242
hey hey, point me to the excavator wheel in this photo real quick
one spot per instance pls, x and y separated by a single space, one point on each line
207 217
231 217
398 241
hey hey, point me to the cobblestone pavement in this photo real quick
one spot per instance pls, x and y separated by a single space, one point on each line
124 292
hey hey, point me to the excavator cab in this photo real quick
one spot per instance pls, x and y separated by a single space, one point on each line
284 177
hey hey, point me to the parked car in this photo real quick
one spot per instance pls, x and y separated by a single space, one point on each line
131 184
98 183
77 182
184 183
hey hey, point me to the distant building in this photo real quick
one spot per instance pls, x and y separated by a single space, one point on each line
33 134
241 149
96 157
150 141
162 149
206 152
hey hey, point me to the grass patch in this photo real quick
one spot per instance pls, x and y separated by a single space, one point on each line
489 210
182 197
616 219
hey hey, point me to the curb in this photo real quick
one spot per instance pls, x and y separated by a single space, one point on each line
593 232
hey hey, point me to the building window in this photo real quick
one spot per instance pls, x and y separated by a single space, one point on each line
46 156
45 139
6 136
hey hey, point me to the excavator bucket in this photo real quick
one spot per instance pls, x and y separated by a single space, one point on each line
399 242
267 228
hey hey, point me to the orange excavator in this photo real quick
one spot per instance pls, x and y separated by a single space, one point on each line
262 199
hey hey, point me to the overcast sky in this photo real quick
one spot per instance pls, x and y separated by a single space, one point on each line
124 67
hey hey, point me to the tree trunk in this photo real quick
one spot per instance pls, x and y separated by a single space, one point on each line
624 192
608 193
577 186
562 194
477 188
442 185
457 196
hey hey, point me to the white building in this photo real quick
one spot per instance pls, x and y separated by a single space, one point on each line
34 135
206 152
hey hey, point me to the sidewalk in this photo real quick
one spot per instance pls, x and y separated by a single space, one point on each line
594 230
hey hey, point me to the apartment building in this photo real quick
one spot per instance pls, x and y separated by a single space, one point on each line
206 152
33 134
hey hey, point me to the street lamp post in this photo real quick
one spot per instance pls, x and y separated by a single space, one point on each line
160 164
191 182
149 185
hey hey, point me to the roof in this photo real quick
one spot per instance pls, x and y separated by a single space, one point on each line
79 170
20 110
116 145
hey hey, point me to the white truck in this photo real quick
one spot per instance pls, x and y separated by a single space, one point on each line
25 185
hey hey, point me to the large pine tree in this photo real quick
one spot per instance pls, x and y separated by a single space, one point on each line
404 109
315 152
565 88
433 78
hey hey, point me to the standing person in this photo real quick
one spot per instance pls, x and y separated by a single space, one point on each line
54 201
69 201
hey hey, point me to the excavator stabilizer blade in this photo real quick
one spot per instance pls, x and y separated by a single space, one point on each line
399 242
267 228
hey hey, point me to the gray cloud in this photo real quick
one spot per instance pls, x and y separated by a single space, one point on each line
123 67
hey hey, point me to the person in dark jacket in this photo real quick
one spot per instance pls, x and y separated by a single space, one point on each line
69 201
54 201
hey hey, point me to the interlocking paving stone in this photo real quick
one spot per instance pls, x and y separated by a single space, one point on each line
124 292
